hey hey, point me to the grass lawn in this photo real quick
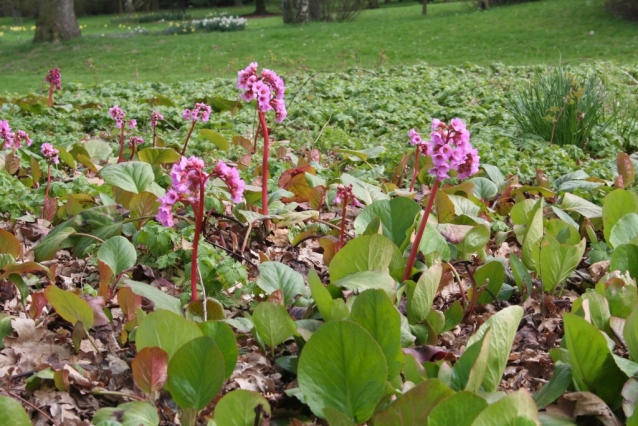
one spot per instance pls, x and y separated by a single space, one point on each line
453 33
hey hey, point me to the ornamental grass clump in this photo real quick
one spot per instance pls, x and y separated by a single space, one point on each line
268 89
560 108
450 150
188 185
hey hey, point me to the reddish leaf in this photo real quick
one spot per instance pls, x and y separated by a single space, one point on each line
122 197
106 278
150 368
36 171
50 208
276 296
26 268
11 163
317 197
625 168
143 204
329 245
129 302
38 302
245 161
294 180
61 379
243 142
281 152
9 243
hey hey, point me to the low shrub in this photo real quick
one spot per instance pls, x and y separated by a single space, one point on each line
560 107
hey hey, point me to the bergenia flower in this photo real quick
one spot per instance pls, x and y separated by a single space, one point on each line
155 117
12 139
118 115
450 149
188 178
268 89
50 153
415 137
194 115
135 140
54 78
346 193
132 124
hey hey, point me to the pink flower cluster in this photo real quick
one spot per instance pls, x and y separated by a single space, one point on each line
230 176
415 137
13 139
54 78
118 115
188 178
194 114
50 153
450 149
155 117
345 193
136 140
268 89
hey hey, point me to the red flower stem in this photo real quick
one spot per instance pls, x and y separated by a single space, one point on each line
419 234
190 132
343 221
46 193
264 170
121 158
199 216
256 136
416 167
50 95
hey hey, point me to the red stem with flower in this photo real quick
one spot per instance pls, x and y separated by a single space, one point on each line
450 149
268 89
55 83
51 156
188 183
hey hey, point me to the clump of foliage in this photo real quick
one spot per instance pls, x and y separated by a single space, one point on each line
627 9
560 107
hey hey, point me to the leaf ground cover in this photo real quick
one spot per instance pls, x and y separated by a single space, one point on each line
294 326
545 32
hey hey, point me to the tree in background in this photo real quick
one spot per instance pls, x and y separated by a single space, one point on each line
56 21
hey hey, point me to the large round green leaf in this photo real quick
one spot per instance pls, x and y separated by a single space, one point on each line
157 156
272 323
515 409
277 276
374 311
225 339
459 410
12 410
625 259
617 204
366 253
118 253
196 373
237 408
166 330
343 367
397 219
132 176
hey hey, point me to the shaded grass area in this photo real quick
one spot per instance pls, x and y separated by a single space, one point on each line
453 33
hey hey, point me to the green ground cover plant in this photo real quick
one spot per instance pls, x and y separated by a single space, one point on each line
388 36
324 274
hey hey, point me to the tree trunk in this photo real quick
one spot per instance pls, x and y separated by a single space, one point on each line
425 8
303 12
373 4
260 7
56 21
288 11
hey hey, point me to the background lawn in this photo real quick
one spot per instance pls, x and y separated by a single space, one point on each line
545 32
